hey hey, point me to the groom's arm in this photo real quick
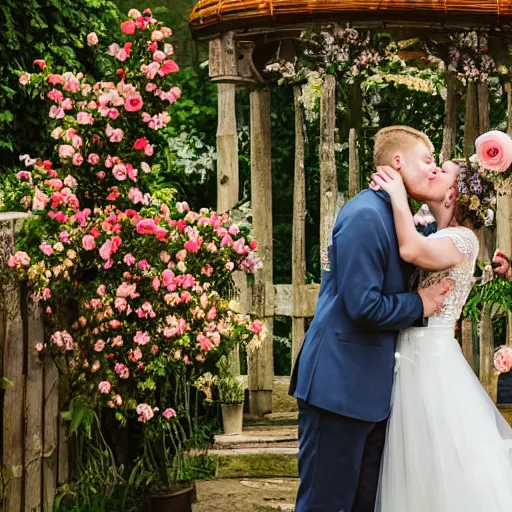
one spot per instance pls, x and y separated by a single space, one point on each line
362 257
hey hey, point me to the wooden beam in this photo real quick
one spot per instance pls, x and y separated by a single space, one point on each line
261 364
299 225
328 177
303 308
354 177
471 120
483 107
450 119
488 376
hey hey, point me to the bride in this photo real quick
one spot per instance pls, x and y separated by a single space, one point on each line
448 447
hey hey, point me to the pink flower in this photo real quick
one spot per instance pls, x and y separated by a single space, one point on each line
155 283
503 359
40 200
101 290
92 39
57 133
140 144
494 151
204 342
133 102
66 151
169 413
230 266
24 176
56 79
192 245
69 181
55 95
127 290
157 35
256 327
115 135
142 338
24 79
128 27
146 227
41 63
78 159
117 341
118 401
119 171
169 66
104 387
93 159
19 259
149 150
39 347
114 192
88 242
129 259
67 104
143 264
122 55
99 345
135 196
239 246
166 31
145 412
56 112
158 56
46 249
253 244
150 70
64 237
84 118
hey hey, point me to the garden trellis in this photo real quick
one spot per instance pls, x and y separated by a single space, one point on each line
244 36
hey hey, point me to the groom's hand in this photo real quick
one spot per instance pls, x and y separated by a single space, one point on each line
434 297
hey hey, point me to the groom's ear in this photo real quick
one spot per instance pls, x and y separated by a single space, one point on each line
397 161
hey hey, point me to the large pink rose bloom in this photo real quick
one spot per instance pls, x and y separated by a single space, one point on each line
133 102
503 359
494 151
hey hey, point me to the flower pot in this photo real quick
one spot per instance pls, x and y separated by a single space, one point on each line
232 418
505 388
179 500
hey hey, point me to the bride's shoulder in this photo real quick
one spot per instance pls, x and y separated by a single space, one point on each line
464 238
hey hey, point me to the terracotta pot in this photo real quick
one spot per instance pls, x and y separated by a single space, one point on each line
179 500
232 418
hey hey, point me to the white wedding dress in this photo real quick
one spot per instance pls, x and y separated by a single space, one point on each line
448 448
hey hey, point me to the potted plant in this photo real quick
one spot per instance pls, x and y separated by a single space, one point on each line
231 398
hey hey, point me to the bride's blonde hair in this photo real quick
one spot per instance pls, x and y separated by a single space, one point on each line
394 138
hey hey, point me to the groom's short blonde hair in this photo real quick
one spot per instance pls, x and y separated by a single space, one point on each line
394 138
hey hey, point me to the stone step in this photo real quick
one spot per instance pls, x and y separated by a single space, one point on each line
272 419
257 463
274 506
258 437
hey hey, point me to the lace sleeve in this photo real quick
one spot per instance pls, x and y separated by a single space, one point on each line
463 238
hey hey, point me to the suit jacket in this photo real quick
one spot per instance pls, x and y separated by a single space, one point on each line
346 361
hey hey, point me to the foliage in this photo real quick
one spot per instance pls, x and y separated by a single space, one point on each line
151 280
55 30
496 295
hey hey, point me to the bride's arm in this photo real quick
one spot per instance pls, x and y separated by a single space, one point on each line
428 253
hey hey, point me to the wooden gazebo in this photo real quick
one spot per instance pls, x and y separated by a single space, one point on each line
243 36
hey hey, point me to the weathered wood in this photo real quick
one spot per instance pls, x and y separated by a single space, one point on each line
51 433
483 107
487 372
467 341
354 178
299 225
355 107
227 149
223 57
508 88
34 411
13 413
450 119
328 177
304 308
261 364
471 120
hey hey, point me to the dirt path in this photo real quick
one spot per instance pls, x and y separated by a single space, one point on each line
245 495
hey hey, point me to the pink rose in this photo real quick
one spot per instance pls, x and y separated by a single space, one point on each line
46 249
135 196
143 264
56 112
119 172
69 181
169 413
55 95
84 118
169 66
158 56
40 200
78 159
494 151
133 102
140 144
66 151
256 327
503 359
57 132
104 386
129 259
40 63
24 79
92 39
128 27
157 35
93 159
88 242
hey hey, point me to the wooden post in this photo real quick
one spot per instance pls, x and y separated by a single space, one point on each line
14 398
483 107
261 365
354 178
299 226
34 411
450 119
328 177
471 124
487 372
51 433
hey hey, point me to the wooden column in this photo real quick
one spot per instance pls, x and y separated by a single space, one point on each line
450 119
14 398
328 176
299 227
483 107
34 411
467 341
471 120
261 364
354 177
488 375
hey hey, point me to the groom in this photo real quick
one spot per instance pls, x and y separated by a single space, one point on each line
344 372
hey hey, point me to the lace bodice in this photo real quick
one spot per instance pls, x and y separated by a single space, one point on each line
462 275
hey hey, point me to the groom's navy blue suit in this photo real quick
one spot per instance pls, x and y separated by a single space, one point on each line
344 372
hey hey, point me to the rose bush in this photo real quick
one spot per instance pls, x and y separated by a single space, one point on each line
150 279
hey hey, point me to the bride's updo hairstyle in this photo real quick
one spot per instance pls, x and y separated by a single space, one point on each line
393 139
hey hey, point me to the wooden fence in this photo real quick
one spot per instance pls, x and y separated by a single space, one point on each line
34 445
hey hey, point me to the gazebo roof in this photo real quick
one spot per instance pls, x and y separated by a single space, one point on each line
213 16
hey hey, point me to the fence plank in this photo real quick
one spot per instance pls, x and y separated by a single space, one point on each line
13 413
471 123
354 177
51 432
34 412
299 225
450 119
